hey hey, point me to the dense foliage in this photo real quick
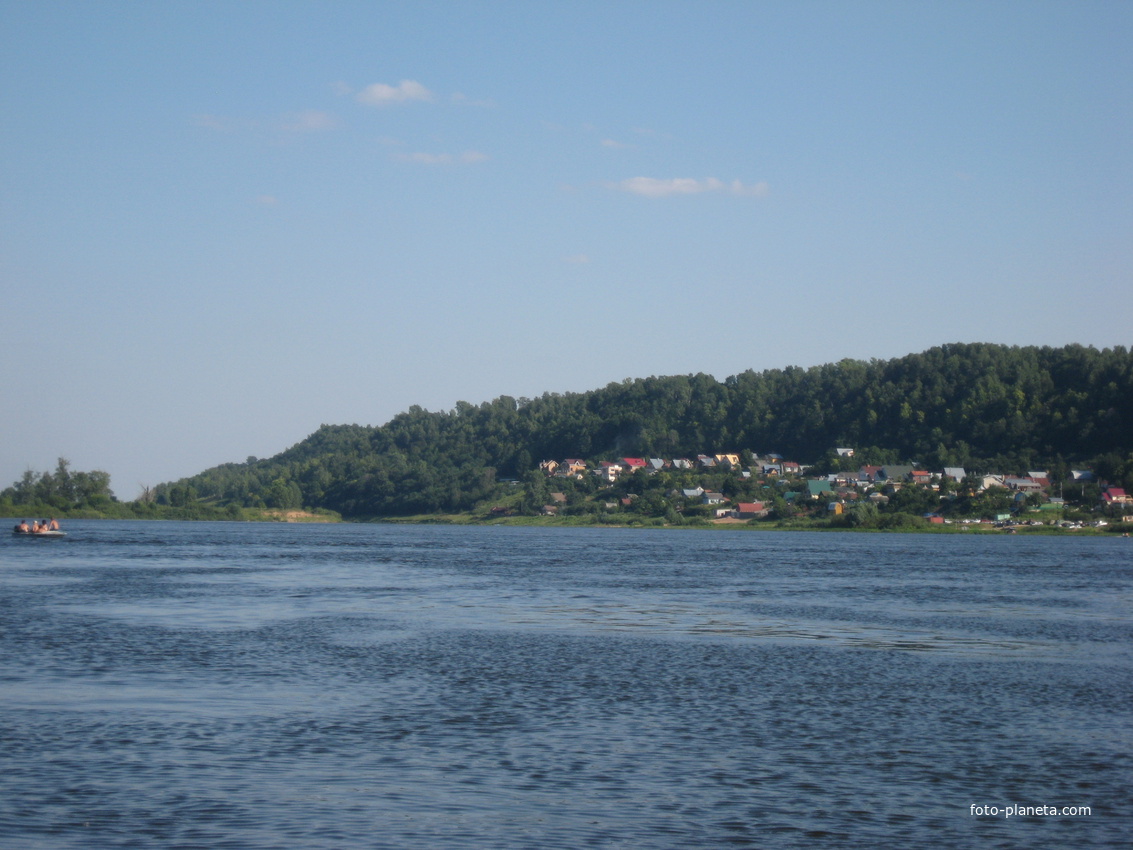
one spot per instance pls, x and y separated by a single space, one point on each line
984 407
59 491
65 493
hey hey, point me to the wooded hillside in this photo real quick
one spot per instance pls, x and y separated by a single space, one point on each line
980 406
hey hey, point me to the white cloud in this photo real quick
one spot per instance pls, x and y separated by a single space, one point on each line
751 190
380 94
612 143
311 121
653 187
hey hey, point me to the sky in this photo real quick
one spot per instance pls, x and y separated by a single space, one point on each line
223 224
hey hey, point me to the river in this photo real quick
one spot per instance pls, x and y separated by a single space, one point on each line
255 685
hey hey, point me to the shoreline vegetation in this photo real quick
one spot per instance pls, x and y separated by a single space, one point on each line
962 438
486 519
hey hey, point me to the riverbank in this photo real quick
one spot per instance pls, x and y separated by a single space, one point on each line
195 514
973 528
189 513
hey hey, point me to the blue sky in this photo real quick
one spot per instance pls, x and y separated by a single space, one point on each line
223 224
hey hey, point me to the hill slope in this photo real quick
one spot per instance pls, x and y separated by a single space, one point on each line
976 405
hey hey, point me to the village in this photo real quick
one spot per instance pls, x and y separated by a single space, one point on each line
741 487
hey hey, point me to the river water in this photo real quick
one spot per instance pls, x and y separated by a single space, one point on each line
245 685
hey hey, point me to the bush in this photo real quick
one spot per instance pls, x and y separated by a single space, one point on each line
900 519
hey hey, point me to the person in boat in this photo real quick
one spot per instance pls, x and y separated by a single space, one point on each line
53 525
23 527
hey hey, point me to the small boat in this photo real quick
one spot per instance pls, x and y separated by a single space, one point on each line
18 533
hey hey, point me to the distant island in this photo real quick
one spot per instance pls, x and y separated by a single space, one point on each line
1037 437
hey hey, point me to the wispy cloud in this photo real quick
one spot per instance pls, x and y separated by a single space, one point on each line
613 143
380 94
653 187
310 121
466 158
751 190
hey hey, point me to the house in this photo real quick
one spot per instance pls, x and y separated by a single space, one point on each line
705 462
574 466
1024 485
559 498
956 473
845 452
815 488
870 474
1042 477
772 469
1116 496
608 470
835 508
682 463
633 463
791 468
749 510
895 473
987 481
728 460
1081 475
693 493
710 498
657 464
549 466
920 476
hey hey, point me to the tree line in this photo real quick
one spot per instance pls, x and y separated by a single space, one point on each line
60 491
981 406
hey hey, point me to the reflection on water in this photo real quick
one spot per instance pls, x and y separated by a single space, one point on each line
262 686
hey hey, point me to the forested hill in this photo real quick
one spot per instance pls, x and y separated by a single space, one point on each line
979 406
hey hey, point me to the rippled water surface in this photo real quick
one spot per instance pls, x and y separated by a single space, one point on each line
214 685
